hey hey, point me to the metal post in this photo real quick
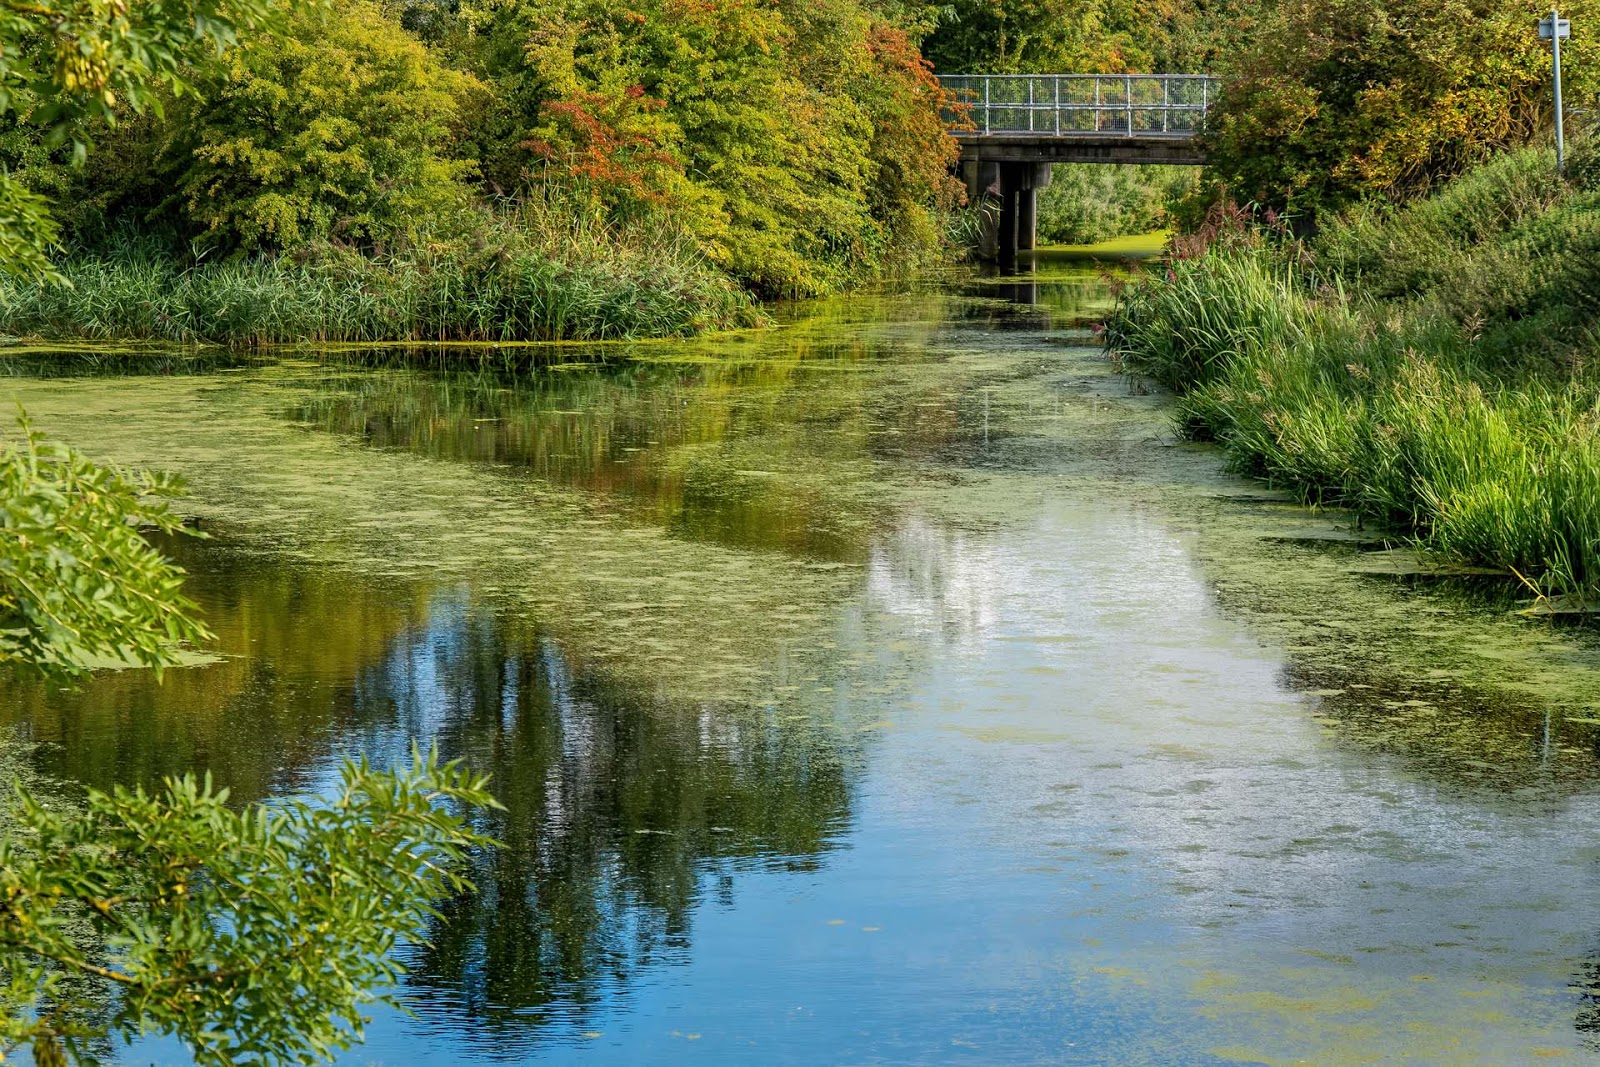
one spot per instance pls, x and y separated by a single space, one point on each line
1097 104
1166 102
1555 66
1552 29
986 104
1127 100
1056 85
1205 100
1030 104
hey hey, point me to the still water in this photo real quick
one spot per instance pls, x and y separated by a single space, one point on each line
890 687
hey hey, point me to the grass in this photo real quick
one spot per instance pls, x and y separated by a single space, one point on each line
528 276
1429 366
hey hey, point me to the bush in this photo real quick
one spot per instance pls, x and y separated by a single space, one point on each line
338 129
1394 252
1333 101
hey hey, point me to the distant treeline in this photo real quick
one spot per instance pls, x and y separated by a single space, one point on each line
1325 103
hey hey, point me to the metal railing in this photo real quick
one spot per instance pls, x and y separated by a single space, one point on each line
1063 105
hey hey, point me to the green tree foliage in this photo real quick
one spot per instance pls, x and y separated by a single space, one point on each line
1335 100
1088 202
27 231
1085 36
78 583
254 936
65 62
340 127
798 143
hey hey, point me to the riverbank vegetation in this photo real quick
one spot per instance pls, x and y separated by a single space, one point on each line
1328 103
1431 365
530 274
562 168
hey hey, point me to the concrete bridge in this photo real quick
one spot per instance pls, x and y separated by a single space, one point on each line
1011 127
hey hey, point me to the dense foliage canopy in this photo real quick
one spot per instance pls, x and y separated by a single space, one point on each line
1087 36
65 63
339 127
1331 101
797 145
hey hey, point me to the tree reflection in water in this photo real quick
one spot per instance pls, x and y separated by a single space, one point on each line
622 808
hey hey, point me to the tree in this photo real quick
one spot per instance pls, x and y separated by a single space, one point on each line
63 62
340 126
1086 36
78 583
254 936
1333 101
798 143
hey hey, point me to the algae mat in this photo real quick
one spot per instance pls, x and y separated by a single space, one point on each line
888 687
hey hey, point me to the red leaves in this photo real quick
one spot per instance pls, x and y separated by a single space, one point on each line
593 137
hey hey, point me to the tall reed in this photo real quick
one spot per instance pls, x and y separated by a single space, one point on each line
514 277
1427 404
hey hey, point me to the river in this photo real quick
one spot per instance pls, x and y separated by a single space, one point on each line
888 687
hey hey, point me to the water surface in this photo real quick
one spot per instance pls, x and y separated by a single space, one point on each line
889 687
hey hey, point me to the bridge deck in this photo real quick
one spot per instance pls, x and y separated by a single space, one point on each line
1073 118
1178 149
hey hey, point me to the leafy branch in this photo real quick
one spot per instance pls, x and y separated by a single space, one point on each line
254 936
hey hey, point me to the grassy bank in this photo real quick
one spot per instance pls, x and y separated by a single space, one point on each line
505 281
1429 366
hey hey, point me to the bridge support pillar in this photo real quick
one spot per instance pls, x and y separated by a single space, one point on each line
1035 176
1011 193
1018 229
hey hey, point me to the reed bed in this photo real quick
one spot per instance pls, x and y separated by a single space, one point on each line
1458 406
505 282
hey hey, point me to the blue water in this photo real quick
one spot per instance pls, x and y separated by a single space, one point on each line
1082 751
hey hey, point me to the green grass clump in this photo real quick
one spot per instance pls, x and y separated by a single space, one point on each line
1188 323
1459 406
511 279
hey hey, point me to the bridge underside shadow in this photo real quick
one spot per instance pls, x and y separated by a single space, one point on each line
1009 170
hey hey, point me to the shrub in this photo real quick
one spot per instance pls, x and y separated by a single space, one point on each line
339 128
1332 101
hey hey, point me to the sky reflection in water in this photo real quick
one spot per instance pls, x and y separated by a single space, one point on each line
1076 751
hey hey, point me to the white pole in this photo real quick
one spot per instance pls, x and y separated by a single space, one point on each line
1555 52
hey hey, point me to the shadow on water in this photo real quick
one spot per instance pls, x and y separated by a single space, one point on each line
622 809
